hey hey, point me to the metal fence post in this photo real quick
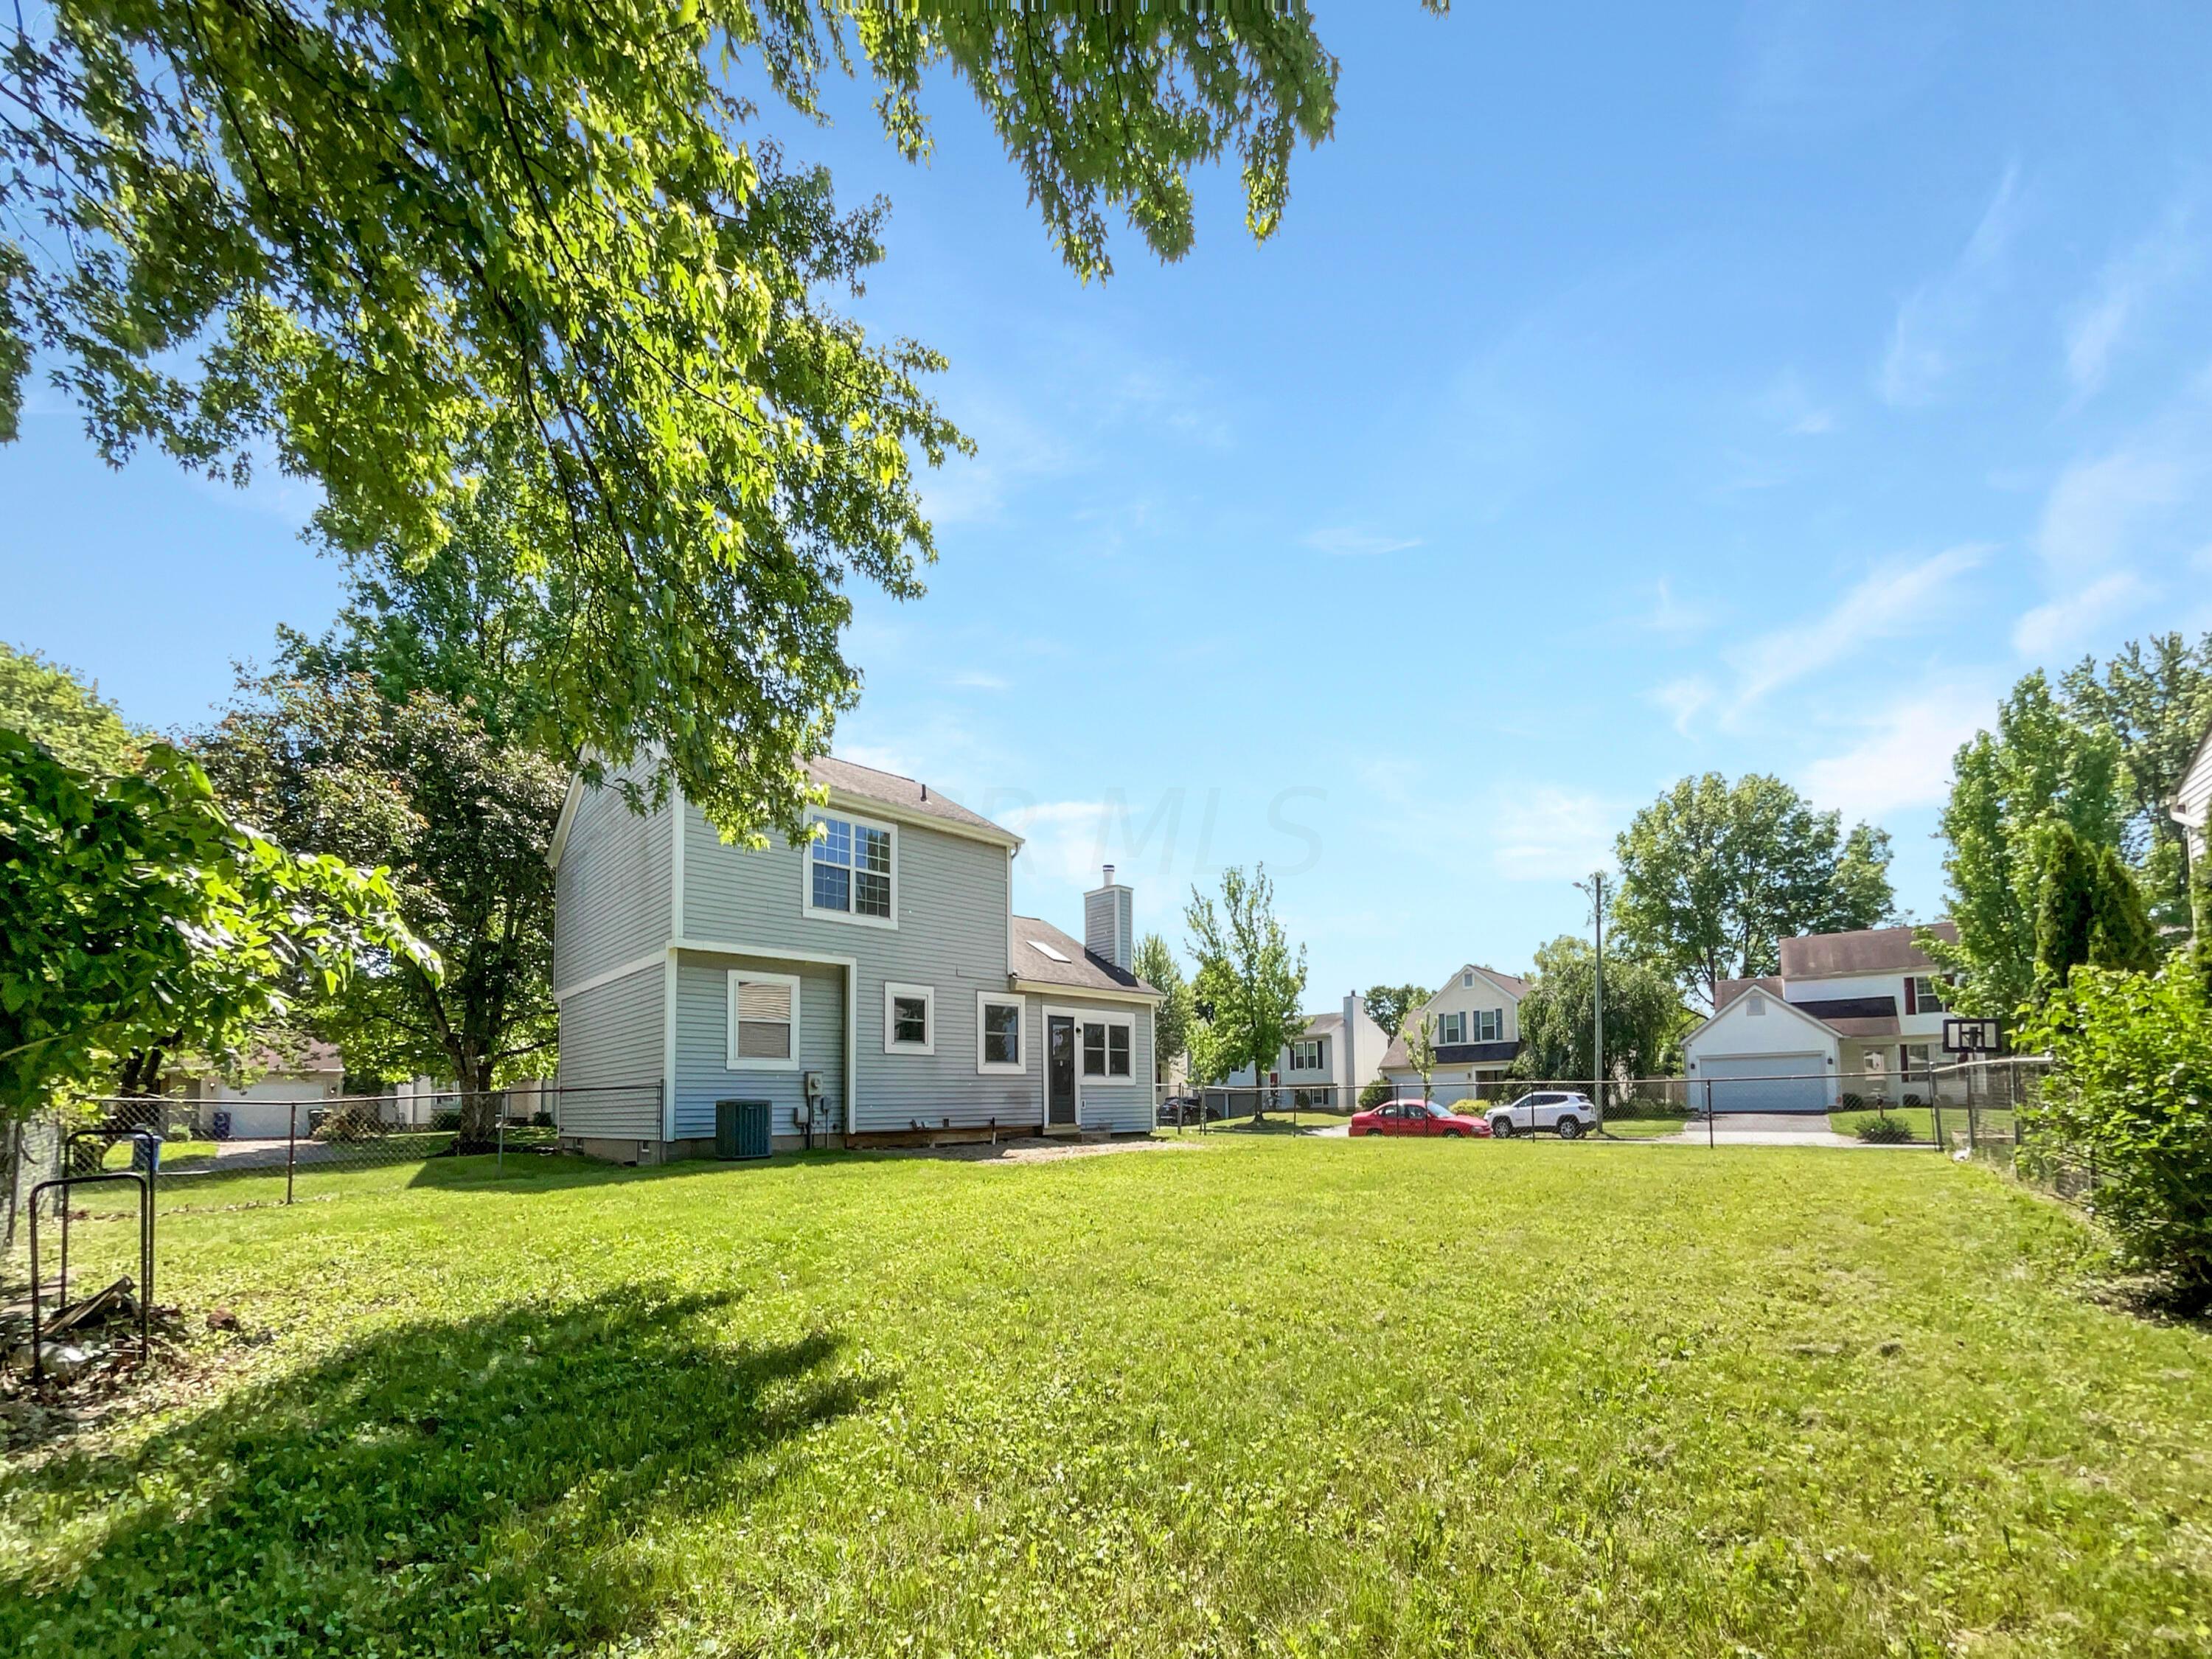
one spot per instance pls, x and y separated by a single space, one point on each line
499 1159
291 1147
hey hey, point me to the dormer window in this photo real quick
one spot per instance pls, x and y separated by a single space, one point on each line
852 872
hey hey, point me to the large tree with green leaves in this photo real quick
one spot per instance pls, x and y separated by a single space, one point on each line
1172 1015
138 919
1248 972
414 251
2040 768
1388 1004
54 706
2087 909
1645 1018
1713 875
2154 700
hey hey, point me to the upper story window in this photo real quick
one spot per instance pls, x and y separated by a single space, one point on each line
1466 979
1489 1025
1306 1055
1754 1008
1451 1028
1924 994
852 872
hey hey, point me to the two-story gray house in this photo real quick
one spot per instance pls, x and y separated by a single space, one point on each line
872 984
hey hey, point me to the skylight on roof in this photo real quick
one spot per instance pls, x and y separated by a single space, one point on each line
1039 944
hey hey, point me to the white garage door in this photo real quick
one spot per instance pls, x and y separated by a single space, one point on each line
265 1111
1767 1083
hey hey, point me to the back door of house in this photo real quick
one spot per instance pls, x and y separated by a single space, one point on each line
1059 1072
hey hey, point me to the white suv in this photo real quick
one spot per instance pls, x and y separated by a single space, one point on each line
1565 1114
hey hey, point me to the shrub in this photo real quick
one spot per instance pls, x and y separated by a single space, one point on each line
450 1118
541 1120
1913 1099
1853 1102
356 1120
1883 1131
1375 1093
2131 1094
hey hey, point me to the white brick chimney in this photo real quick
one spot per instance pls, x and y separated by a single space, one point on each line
1109 923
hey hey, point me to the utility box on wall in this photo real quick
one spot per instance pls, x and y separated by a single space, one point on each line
742 1129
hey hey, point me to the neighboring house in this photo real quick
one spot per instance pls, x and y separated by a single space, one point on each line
871 985
1478 1033
1859 1013
1332 1058
2192 799
262 1109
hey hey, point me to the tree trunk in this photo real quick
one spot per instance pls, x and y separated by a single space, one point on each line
480 1108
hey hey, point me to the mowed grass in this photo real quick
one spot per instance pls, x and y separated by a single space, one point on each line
1996 1122
1274 1394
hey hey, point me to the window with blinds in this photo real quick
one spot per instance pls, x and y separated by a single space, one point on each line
763 1019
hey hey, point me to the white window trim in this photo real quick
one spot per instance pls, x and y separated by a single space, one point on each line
1319 1046
893 990
1019 1064
1459 1014
1474 1025
1105 1080
806 872
737 1062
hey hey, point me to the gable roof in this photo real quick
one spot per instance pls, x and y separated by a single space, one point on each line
1868 951
1080 971
846 782
1754 988
854 781
1512 984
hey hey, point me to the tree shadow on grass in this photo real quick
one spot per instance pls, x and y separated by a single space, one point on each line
476 1486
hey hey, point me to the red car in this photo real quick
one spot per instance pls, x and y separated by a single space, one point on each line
1416 1117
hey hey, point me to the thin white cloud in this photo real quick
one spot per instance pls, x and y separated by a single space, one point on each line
1903 758
1676 616
2074 618
1684 700
976 679
1065 841
2094 505
1791 407
1935 319
1896 600
1547 833
2129 283
1345 543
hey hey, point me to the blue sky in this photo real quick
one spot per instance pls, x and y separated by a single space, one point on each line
1623 396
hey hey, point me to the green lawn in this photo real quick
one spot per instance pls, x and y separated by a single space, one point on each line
1274 1394
1921 1120
1644 1128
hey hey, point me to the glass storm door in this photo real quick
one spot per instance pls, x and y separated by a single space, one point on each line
1059 1072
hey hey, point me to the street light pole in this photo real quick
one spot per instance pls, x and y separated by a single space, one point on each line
1596 888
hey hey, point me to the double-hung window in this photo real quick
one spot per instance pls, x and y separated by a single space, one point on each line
1106 1048
1306 1055
998 1032
851 872
1924 994
763 1034
1452 1028
1489 1025
909 1020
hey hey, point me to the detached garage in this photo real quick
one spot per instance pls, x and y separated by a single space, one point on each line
1758 1054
